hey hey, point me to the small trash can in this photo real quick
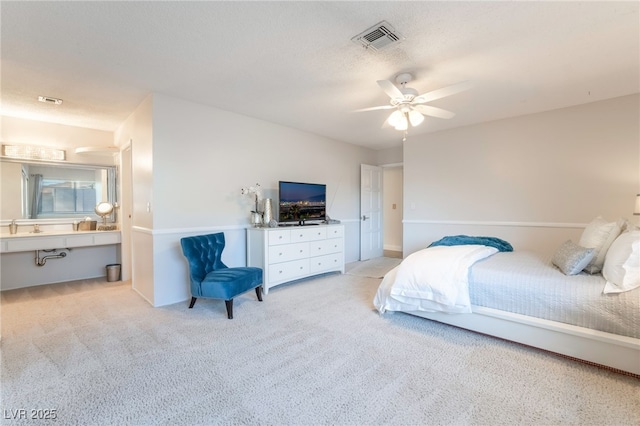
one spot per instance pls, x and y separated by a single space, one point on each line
113 272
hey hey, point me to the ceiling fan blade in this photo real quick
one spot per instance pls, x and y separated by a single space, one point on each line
441 93
390 89
375 108
433 111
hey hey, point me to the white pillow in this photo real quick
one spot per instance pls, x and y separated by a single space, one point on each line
572 258
598 235
626 226
622 264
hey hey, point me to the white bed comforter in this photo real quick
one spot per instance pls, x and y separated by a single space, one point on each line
435 279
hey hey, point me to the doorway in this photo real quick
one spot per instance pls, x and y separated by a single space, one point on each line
392 213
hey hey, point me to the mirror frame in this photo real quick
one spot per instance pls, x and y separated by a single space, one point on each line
111 190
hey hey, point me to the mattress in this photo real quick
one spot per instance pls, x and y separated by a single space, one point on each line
527 284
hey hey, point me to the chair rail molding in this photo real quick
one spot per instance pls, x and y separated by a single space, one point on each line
497 223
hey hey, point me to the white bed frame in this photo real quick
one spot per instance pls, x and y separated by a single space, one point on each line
606 349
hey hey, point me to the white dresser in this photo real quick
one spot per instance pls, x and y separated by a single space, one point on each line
290 253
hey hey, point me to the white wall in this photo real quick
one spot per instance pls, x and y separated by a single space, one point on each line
10 190
21 131
534 180
199 159
390 155
137 133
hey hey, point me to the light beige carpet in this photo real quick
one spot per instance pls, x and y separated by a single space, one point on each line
372 268
313 353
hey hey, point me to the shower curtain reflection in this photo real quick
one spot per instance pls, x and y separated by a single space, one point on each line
36 197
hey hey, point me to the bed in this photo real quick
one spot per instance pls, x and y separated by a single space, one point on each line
527 298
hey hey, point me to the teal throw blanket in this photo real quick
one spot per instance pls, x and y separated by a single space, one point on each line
458 240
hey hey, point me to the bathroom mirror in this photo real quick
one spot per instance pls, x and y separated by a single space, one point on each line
43 190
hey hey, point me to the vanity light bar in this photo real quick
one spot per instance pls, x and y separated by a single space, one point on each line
28 152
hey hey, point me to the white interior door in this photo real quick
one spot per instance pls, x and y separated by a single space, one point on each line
371 243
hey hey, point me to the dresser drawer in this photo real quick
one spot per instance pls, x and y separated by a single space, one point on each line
311 233
330 262
279 237
285 253
288 270
318 248
335 232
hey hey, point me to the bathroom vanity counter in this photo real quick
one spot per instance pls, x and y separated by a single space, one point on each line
54 239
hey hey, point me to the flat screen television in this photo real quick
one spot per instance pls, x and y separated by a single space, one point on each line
301 202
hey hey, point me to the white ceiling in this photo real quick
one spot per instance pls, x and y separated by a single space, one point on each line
294 63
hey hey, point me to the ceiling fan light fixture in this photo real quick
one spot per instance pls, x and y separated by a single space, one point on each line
395 118
403 123
415 118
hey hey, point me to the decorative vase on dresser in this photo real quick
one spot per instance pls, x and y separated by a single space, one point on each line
267 215
290 253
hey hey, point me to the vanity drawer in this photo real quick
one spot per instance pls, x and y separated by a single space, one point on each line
285 253
107 238
28 244
80 240
51 240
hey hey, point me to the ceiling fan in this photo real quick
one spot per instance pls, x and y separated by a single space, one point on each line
410 106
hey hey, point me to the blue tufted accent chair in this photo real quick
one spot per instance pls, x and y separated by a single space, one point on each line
213 279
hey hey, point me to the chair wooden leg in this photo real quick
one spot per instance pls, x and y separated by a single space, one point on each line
259 292
229 304
193 302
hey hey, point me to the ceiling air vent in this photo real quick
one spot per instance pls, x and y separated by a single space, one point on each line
378 37
49 100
